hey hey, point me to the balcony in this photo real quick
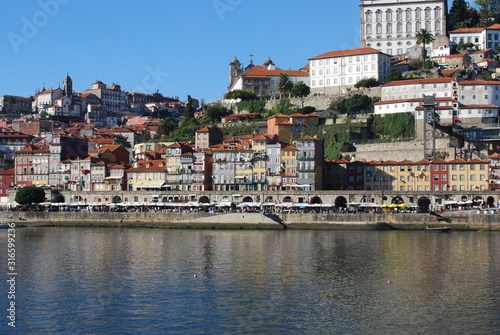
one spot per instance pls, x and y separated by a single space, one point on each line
306 158
305 169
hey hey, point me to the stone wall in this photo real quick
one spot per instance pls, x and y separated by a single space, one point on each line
464 221
398 151
320 102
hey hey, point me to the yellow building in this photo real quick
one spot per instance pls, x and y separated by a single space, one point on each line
468 175
289 165
146 175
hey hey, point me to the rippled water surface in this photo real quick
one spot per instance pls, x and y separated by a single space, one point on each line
150 281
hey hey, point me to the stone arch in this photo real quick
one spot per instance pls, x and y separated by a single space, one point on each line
247 199
397 200
340 202
116 199
316 200
269 199
423 204
490 201
287 199
463 198
204 200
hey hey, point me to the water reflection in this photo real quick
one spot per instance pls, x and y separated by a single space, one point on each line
100 280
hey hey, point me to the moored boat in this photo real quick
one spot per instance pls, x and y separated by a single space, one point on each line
437 229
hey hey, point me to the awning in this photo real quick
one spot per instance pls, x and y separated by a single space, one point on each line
111 178
224 204
249 204
155 184
369 204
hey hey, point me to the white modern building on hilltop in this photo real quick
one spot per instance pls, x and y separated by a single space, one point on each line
390 26
334 71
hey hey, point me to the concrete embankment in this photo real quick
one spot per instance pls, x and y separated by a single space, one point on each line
457 220
143 219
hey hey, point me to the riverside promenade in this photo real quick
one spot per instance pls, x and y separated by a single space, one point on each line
459 220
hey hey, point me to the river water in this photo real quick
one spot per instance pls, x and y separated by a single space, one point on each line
155 281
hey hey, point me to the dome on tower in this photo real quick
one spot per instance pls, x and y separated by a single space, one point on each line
268 62
235 61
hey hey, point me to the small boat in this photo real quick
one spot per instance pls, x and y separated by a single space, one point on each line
437 229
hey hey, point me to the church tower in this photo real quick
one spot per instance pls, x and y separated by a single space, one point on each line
67 86
234 71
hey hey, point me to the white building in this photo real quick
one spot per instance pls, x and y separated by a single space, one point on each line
441 50
113 97
390 26
334 71
46 98
482 38
470 102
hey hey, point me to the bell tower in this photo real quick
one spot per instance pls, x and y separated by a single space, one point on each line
234 71
68 86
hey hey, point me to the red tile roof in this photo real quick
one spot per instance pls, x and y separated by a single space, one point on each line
419 81
348 52
265 73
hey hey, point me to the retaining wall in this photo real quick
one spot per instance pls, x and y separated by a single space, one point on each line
461 221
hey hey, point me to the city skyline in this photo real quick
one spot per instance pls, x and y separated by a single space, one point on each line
171 47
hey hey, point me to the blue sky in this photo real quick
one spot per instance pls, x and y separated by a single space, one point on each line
179 47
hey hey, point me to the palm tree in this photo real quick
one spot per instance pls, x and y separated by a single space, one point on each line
424 37
166 127
284 84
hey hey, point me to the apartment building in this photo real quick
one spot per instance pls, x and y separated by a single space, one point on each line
438 175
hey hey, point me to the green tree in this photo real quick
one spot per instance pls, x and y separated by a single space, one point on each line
489 11
244 95
30 195
166 126
424 37
214 113
300 89
307 110
189 111
356 104
284 85
457 15
251 106
366 82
